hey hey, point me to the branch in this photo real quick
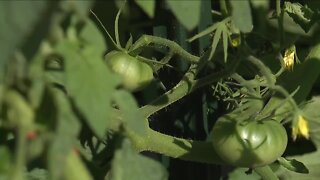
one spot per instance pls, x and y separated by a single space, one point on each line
196 151
185 87
147 40
266 173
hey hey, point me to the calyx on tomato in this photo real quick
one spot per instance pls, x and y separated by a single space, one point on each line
249 143
135 74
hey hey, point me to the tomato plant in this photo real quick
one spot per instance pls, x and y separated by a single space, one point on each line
135 74
226 90
249 143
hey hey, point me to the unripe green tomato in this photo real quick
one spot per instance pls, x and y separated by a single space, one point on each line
135 74
249 144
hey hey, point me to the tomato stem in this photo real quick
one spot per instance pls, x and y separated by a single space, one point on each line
266 173
197 151
148 40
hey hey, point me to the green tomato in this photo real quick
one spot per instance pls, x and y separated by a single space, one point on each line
249 143
135 74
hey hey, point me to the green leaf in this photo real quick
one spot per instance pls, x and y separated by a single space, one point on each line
241 15
91 36
147 6
90 83
66 132
293 165
75 168
17 21
297 78
205 32
225 43
310 161
216 38
127 164
186 11
312 115
129 109
129 43
302 15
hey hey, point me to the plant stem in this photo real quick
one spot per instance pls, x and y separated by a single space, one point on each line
147 40
266 173
197 151
19 155
280 21
223 8
184 87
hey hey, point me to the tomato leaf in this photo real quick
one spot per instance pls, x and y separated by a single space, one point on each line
93 37
241 15
147 6
141 167
312 115
302 15
216 38
75 169
187 12
18 18
90 84
293 165
65 136
310 161
129 108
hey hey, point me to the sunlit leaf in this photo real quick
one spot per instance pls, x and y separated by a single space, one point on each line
215 41
312 113
241 15
91 36
90 83
65 137
302 15
140 167
75 169
293 165
147 6
129 108
186 11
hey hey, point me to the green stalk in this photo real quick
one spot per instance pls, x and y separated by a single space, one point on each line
280 21
223 8
184 87
147 40
266 173
196 151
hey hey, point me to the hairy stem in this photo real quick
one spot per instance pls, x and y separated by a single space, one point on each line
197 151
147 40
184 87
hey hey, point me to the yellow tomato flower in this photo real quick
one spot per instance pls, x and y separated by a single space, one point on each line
301 128
288 59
